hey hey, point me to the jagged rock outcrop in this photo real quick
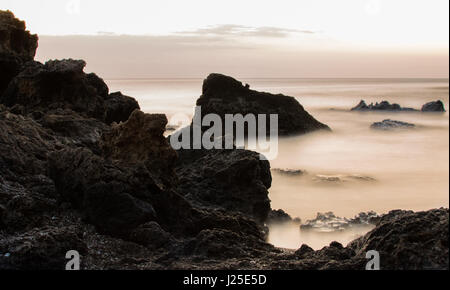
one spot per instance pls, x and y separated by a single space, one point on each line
235 180
140 140
329 222
383 106
437 106
224 95
279 216
17 46
409 240
129 184
389 124
62 84
289 172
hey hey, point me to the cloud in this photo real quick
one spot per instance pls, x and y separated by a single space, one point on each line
232 30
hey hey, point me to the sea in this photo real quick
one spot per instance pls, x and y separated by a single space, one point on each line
349 170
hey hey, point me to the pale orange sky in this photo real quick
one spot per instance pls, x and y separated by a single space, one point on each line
284 38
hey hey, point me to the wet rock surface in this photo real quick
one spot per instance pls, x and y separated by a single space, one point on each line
85 170
224 95
289 172
329 222
389 124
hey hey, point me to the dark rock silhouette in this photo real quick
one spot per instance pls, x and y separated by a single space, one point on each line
17 46
38 249
224 95
436 106
289 172
62 84
140 140
235 180
389 124
383 106
328 221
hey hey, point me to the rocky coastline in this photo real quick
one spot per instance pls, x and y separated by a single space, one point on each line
84 169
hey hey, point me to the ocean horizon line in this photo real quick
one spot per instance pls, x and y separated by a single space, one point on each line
284 78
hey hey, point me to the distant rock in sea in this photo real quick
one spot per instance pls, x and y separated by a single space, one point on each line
437 106
389 124
341 178
383 106
289 172
225 95
278 216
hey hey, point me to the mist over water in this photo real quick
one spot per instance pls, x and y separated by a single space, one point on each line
377 170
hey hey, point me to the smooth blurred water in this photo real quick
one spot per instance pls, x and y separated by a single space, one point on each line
410 167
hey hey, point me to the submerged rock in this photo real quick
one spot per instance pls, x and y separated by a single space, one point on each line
437 106
117 193
289 172
389 124
339 178
17 46
383 106
225 95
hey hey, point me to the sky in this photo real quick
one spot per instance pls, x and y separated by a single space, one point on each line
246 38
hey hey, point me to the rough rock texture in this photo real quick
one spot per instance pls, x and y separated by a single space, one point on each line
62 84
119 107
389 124
383 106
437 106
235 180
225 95
141 140
278 216
114 196
329 222
409 240
40 249
17 46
